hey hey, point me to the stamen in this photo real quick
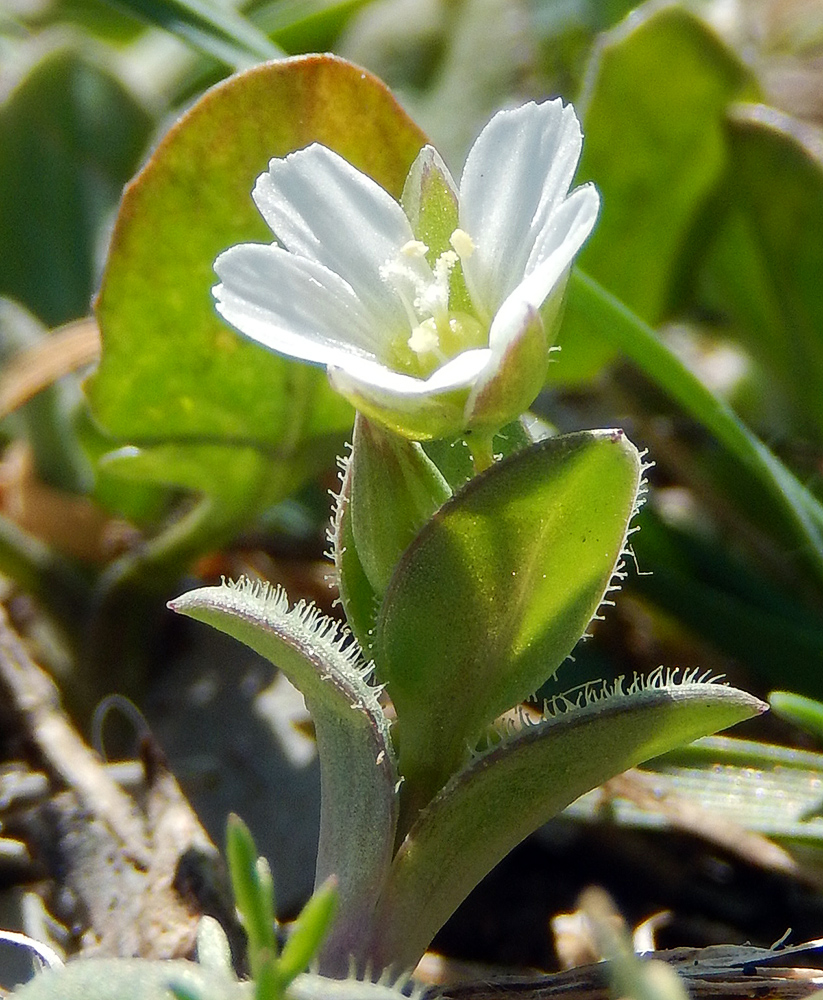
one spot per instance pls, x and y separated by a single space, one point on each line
443 267
424 339
462 243
403 281
434 297
414 248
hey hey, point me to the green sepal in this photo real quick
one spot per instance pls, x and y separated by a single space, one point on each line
430 201
358 808
395 489
495 591
357 595
521 372
506 793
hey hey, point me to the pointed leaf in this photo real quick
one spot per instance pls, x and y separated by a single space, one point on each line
506 794
495 591
216 30
307 933
358 811
253 890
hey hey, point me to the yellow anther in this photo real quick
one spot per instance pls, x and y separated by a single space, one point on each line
424 339
462 243
414 248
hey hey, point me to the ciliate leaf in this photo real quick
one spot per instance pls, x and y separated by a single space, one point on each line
509 791
495 591
357 595
131 979
358 777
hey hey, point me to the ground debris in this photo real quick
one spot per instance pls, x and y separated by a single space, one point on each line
128 872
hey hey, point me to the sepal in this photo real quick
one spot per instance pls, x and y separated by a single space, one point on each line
395 489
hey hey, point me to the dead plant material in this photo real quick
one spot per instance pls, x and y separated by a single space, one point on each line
688 816
66 350
730 972
73 525
132 873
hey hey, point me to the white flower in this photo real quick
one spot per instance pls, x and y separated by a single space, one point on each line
429 340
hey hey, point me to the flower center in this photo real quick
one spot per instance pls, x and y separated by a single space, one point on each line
438 333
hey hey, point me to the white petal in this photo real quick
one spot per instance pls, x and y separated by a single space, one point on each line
322 208
292 305
552 254
396 390
516 173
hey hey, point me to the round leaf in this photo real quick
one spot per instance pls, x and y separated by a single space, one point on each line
171 368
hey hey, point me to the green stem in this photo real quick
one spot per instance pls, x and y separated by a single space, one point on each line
480 446
639 342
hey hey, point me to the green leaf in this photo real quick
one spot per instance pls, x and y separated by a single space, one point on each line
171 369
508 792
308 932
357 595
130 979
70 137
218 31
357 770
803 712
793 510
653 116
763 270
253 893
495 591
305 25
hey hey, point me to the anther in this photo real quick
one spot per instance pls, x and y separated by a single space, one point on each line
462 243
